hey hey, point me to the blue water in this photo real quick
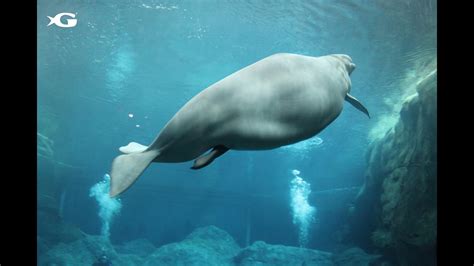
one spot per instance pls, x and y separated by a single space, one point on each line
148 58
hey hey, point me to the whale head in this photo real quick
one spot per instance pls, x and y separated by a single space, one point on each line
346 61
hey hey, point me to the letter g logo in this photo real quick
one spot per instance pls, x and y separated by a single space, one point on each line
57 20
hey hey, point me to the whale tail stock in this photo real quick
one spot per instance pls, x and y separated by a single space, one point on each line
357 104
126 168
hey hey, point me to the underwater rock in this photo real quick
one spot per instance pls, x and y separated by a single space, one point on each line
53 230
355 257
141 247
127 260
90 248
204 246
261 253
399 197
84 251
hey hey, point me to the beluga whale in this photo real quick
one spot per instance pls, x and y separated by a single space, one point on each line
280 100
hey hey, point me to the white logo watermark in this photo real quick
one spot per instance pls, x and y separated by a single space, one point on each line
57 20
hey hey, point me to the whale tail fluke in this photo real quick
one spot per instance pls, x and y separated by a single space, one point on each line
357 104
126 168
133 147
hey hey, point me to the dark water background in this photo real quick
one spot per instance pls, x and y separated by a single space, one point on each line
149 58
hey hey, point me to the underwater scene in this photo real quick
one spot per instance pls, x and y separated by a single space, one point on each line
246 132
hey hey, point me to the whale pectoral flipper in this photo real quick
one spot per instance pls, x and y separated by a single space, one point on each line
352 100
126 168
206 159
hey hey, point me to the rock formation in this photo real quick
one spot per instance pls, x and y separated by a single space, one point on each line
204 246
396 210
